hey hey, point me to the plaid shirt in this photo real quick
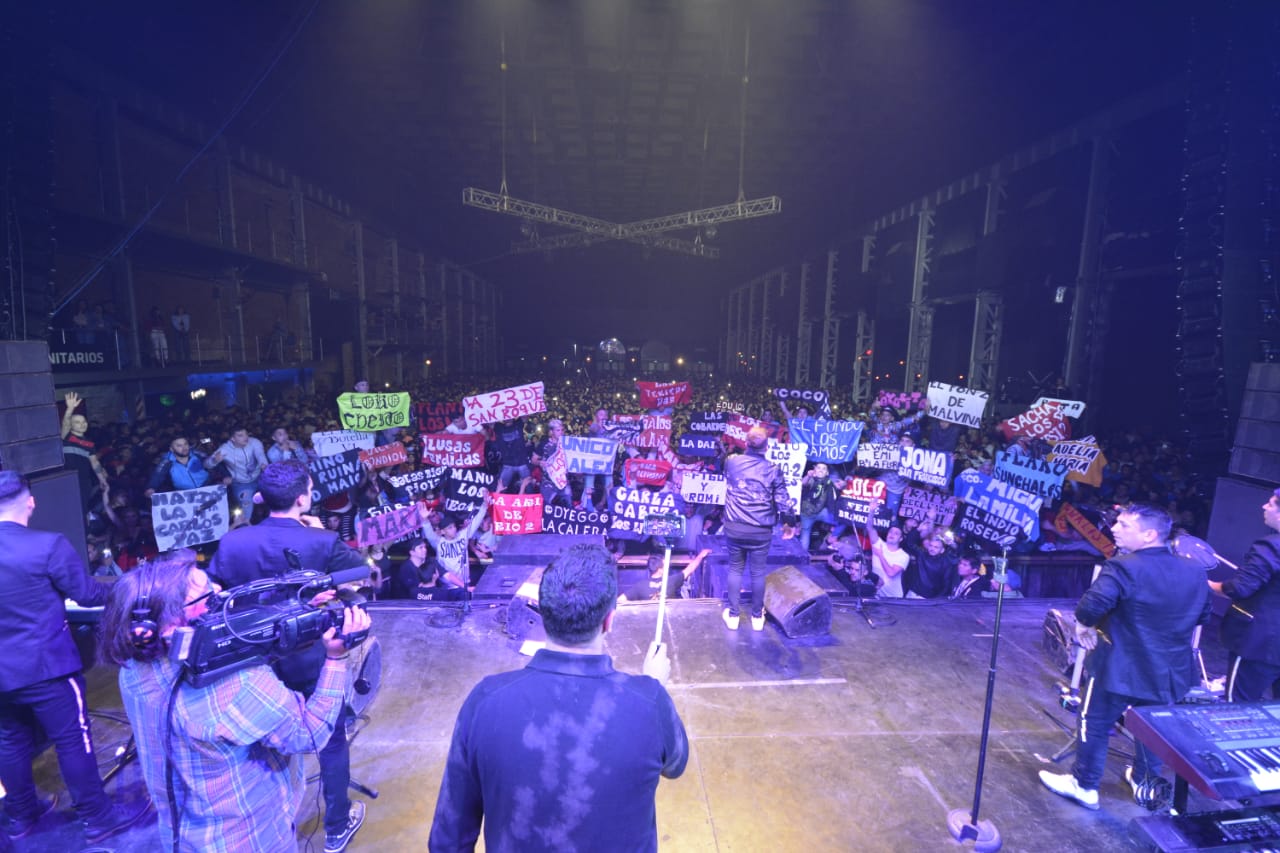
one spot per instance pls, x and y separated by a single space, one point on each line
238 775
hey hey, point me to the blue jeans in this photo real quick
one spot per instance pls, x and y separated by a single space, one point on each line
826 517
335 776
1100 711
550 493
509 473
751 556
58 707
242 495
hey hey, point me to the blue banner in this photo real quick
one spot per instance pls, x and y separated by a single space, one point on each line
584 455
829 441
1038 476
698 445
1000 500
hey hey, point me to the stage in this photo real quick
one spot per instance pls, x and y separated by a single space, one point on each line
863 740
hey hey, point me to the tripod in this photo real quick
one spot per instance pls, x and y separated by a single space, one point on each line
859 605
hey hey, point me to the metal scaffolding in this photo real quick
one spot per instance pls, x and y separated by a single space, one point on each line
830 326
920 335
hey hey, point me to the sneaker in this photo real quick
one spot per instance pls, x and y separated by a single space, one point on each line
16 828
757 622
730 619
118 819
355 818
1153 794
1065 785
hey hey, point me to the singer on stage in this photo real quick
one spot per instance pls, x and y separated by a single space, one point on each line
290 534
1251 627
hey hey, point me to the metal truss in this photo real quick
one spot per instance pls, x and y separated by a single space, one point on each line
577 239
830 326
984 351
804 331
920 336
865 346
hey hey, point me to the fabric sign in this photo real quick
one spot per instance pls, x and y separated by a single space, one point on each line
660 395
453 451
504 405
1084 459
899 399
384 457
702 489
628 508
646 472
924 505
333 442
977 523
1045 421
818 402
383 525
954 403
829 441
881 456
1038 476
331 475
1070 408
416 483
515 514
790 459
698 445
373 412
588 455
566 521
464 490
708 423
1001 499
931 467
1069 515
434 417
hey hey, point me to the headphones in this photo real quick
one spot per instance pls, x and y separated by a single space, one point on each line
142 622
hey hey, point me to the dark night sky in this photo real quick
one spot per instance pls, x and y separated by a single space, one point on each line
854 108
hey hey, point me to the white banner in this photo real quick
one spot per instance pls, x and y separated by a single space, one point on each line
699 488
1070 408
336 441
507 404
791 458
956 404
190 517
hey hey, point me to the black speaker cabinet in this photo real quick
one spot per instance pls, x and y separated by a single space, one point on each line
800 606
58 508
30 438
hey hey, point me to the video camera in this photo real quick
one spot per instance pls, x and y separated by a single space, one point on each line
277 624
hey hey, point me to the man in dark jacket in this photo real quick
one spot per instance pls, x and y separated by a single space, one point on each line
818 503
1251 627
755 495
180 468
41 686
1137 618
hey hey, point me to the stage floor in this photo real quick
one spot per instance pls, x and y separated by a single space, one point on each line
864 740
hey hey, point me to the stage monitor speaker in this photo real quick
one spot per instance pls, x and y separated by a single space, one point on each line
800 606
1236 522
709 580
58 508
30 438
1256 453
524 619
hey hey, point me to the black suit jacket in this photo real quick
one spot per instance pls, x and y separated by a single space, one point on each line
1251 628
1147 604
37 571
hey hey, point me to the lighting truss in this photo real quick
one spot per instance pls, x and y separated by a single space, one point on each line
577 239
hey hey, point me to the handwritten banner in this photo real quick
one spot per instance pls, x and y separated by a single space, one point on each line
790 459
555 469
628 508
417 483
899 399
189 517
383 525
708 423
881 456
515 514
566 521
585 455
373 412
333 442
828 440
1001 499
730 406
957 404
854 503
435 416
923 505
331 475
1038 476
1044 421
453 451
699 488
464 490
505 405
384 457
698 445
818 402
646 472
931 467
660 395
1070 408
977 523
1084 459
735 431
1069 515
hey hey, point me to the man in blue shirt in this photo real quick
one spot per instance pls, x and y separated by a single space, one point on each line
564 754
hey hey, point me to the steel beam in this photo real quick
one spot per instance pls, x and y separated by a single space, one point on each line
830 326
984 349
920 336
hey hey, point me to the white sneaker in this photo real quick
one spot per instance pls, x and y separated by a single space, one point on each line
730 622
1065 785
757 622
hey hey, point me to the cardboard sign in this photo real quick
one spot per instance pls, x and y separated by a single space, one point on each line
931 467
881 456
434 417
708 423
977 523
331 475
1084 459
817 402
790 459
373 412
1001 499
189 517
588 455
505 405
1038 476
923 505
384 457
660 395
698 445
464 490
383 525
646 472
829 441
628 508
1070 408
515 514
453 451
699 488
956 404
333 442
1069 515
1045 421
899 399
566 521
417 483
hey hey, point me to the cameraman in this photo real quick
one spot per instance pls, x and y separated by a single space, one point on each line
264 550
233 744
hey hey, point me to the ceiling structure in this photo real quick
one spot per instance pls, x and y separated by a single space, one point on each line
627 110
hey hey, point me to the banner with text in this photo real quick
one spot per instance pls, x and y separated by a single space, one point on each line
730 407
924 505
931 467
703 489
957 404
791 460
565 521
1001 499
735 431
977 523
1038 476
453 451
331 475
660 395
698 445
646 472
708 423
628 508
385 525
464 490
828 441
335 441
505 405
1084 459
1045 421
373 412
853 505
417 483
556 469
899 399
881 456
189 517
515 514
1069 516
1070 408
435 416
384 456
817 402
585 455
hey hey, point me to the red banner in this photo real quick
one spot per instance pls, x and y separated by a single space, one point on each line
735 432
646 472
444 449
654 432
659 395
1067 514
1044 421
384 456
514 514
